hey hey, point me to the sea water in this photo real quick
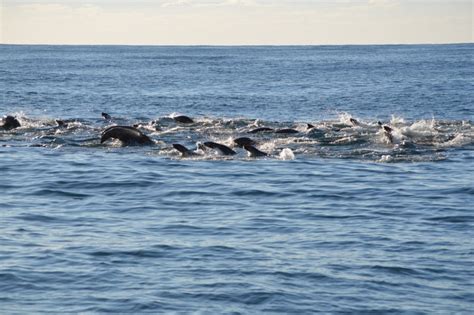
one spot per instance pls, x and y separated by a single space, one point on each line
338 218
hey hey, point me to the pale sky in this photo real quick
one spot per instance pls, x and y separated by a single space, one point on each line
236 22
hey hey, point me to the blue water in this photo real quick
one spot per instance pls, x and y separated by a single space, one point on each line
337 219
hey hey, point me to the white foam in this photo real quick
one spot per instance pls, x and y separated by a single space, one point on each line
421 128
287 154
395 120
345 118
458 141
385 159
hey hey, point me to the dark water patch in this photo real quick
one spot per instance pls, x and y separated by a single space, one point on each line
318 217
157 251
186 229
12 284
260 193
256 298
59 194
132 253
42 218
453 219
188 194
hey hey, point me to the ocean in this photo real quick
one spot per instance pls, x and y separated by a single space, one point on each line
365 206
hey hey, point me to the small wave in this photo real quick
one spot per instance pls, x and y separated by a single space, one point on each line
459 140
395 270
39 218
139 253
60 193
259 192
453 219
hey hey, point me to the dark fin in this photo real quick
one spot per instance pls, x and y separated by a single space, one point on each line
309 126
106 116
222 148
354 121
379 123
262 129
287 130
240 142
387 129
254 152
388 133
183 119
61 123
183 150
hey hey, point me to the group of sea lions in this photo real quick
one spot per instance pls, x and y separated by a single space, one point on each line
131 135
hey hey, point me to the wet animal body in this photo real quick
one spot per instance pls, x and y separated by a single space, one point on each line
261 129
254 152
287 131
9 123
183 119
127 135
225 150
185 152
240 142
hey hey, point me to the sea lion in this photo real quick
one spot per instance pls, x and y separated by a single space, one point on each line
387 131
9 123
127 135
225 150
254 152
354 121
261 129
286 131
185 152
183 119
240 142
61 123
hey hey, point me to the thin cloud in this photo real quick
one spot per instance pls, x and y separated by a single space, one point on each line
210 3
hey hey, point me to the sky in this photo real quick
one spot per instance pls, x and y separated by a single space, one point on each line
235 22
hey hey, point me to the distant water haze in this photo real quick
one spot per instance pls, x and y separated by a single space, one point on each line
235 22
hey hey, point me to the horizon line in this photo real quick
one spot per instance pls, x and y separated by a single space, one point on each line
238 45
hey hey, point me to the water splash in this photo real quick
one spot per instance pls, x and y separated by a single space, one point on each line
344 137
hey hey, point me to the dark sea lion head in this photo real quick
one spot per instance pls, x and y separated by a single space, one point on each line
240 142
183 119
10 122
